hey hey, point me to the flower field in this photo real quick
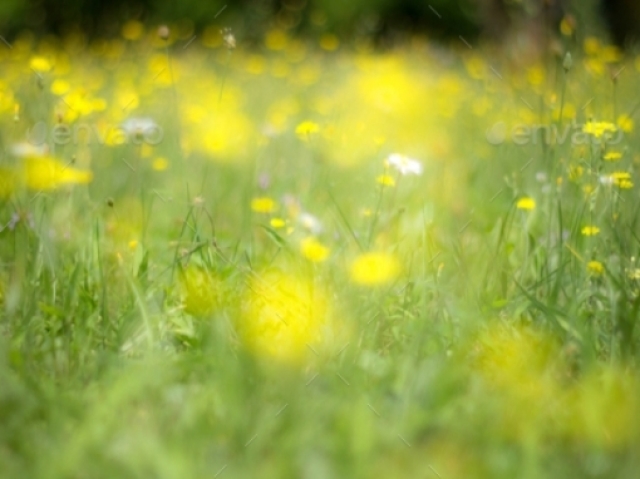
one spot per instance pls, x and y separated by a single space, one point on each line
311 258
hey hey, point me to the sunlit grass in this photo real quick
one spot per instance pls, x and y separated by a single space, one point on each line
301 260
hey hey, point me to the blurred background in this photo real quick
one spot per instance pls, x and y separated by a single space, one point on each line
385 21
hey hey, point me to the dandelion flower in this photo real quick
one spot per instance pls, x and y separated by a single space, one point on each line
263 205
526 203
305 129
40 64
590 230
277 223
404 164
201 291
47 173
626 123
313 250
386 180
160 164
599 129
372 269
612 156
284 317
595 268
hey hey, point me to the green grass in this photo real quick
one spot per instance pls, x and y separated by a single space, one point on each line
139 332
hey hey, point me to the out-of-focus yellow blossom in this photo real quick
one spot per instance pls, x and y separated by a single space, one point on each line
40 64
373 269
590 230
60 87
277 223
603 408
595 268
45 173
386 180
626 123
307 128
276 40
518 364
599 128
202 291
160 164
263 205
592 46
313 250
132 30
329 42
567 26
285 317
575 172
612 156
526 203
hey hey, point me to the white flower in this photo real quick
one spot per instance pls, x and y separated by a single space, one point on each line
27 150
310 223
404 164
139 126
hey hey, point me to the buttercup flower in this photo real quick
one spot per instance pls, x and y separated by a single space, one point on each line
526 203
590 230
372 269
595 268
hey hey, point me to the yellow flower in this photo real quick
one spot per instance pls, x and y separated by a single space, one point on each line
202 292
263 205
285 317
313 250
329 42
590 230
575 172
160 164
373 269
621 179
277 223
60 87
40 64
305 129
612 156
599 129
626 123
595 268
47 173
386 180
526 203
132 30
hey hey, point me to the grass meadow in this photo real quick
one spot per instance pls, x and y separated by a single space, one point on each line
312 259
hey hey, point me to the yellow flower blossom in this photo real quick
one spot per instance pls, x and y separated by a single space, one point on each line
263 205
386 180
590 230
526 203
313 250
372 269
599 128
595 268
626 123
160 164
329 42
45 173
305 129
132 30
612 156
202 292
277 223
285 317
40 64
